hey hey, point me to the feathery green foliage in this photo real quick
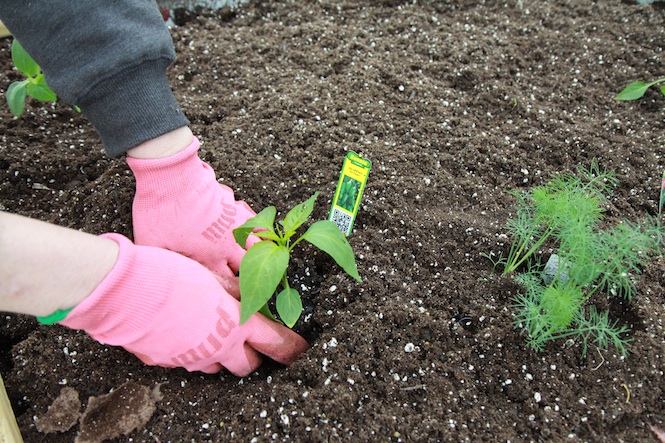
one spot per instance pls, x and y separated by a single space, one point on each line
565 213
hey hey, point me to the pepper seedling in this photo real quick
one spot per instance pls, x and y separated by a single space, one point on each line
34 86
265 264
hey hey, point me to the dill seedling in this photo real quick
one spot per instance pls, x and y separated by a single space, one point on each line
566 212
564 208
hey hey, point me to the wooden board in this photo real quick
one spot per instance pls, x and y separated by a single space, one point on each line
9 432
4 32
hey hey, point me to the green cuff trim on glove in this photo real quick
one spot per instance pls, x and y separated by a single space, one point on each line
55 317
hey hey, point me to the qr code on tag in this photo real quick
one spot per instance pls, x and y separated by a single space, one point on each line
342 220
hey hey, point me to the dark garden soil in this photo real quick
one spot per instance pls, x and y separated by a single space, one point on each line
456 103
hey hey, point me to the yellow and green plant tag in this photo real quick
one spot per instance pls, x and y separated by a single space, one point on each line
349 192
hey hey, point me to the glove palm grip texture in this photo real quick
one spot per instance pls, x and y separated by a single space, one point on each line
179 205
171 311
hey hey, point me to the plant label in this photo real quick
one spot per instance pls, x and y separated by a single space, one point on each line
349 192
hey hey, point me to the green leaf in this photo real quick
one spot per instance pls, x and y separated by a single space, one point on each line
326 236
267 235
265 310
23 61
633 91
289 306
637 89
16 94
559 304
297 216
261 270
40 90
264 219
662 89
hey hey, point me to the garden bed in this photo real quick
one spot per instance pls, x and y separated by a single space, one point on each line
455 104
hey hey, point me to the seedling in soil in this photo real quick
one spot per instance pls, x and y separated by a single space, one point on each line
637 90
34 86
565 214
264 266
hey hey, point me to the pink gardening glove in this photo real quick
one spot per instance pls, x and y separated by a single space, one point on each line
179 205
171 311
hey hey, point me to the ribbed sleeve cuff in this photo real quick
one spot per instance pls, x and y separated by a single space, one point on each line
133 107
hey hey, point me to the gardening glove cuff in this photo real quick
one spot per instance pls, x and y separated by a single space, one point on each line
171 311
179 205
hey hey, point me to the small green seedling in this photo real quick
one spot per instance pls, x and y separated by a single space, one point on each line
564 214
636 90
265 264
34 86
564 207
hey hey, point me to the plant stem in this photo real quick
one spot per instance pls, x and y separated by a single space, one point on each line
294 243
514 263
285 282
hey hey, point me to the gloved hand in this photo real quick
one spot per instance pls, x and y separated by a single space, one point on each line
180 206
171 311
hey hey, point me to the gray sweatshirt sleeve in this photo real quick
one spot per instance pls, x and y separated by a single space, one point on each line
107 57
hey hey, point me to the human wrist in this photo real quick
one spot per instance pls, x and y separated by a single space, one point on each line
116 305
67 265
164 145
